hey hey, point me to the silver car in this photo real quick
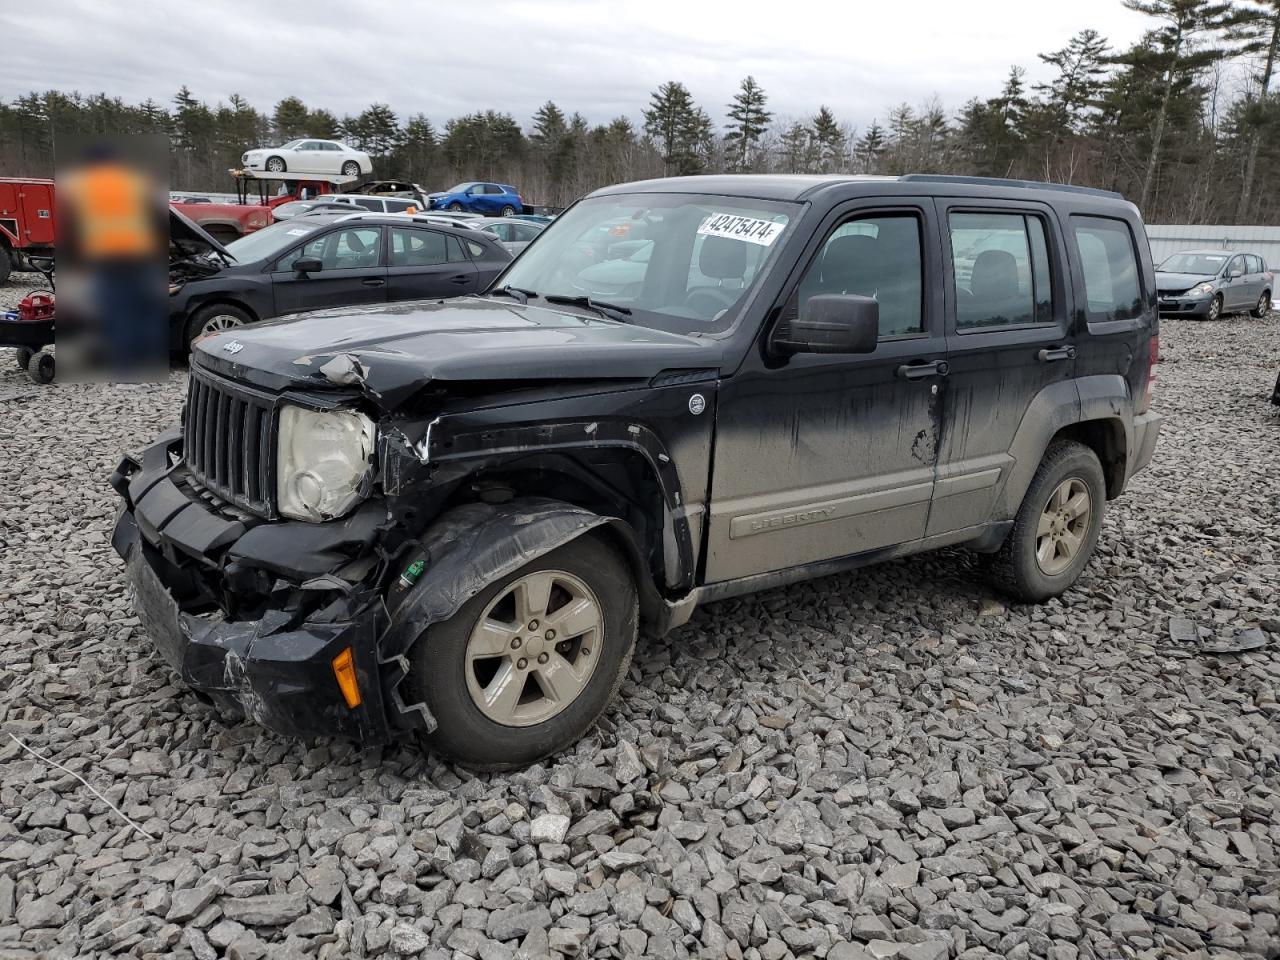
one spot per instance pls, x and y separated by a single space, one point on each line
515 235
1209 283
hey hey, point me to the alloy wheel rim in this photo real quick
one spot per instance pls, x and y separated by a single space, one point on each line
1214 308
275 166
1264 304
534 649
1063 526
222 321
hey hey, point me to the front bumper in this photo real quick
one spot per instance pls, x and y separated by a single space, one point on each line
1183 306
276 670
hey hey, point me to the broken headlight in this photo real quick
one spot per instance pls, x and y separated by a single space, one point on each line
322 459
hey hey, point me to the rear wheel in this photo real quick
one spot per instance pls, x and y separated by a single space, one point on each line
1264 305
351 169
1215 307
1057 526
6 264
527 665
508 211
40 367
276 165
214 319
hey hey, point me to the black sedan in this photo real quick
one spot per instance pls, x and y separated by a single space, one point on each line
318 261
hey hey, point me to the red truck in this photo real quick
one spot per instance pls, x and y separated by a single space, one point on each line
256 195
26 222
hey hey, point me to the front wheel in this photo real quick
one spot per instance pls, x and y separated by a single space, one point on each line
508 211
527 665
275 165
1057 526
1215 307
456 207
1264 305
214 319
351 169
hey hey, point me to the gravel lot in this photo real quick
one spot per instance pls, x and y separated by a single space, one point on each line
892 763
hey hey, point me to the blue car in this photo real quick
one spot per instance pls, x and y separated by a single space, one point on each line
491 199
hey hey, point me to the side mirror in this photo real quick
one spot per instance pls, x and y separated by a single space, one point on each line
832 323
304 265
1235 273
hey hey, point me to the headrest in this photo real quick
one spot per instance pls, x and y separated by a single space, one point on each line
995 275
722 259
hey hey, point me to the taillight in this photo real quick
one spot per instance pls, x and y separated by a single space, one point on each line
1150 386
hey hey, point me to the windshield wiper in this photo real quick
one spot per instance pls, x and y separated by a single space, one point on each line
610 311
515 293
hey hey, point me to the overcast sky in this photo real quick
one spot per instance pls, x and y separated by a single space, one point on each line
448 57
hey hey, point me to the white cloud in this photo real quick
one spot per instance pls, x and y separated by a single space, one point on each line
603 59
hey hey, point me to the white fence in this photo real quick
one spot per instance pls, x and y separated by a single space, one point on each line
1170 238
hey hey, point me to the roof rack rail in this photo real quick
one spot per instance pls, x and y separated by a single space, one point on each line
1003 182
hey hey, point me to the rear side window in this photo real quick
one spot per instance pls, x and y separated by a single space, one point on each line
1001 270
417 248
1110 268
879 257
368 203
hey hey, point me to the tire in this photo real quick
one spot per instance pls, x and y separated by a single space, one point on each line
6 265
508 211
1016 568
40 367
1215 307
276 165
23 356
214 318
456 207
351 169
1263 307
443 676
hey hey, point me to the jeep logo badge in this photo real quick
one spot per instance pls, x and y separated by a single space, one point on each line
697 404
233 346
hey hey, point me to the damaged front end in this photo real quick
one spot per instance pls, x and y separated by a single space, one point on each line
301 614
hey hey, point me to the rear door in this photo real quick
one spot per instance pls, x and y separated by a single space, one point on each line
426 263
352 271
1009 338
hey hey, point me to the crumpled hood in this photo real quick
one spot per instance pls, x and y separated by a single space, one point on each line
391 351
1180 281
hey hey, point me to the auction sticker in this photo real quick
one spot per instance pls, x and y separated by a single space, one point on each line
734 227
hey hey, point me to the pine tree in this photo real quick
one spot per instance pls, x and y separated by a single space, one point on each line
1254 29
681 129
1082 69
829 140
748 121
869 149
1183 23
289 120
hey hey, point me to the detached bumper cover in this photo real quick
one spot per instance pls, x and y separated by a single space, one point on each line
276 671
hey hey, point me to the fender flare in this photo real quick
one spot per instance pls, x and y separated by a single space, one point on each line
467 549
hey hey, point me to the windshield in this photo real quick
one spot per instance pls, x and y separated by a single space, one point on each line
1205 264
267 242
680 262
459 187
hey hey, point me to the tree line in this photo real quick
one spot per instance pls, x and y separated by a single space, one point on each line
1182 122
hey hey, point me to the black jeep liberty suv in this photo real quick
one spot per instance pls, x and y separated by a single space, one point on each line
455 517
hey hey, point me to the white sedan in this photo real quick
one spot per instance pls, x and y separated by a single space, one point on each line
309 156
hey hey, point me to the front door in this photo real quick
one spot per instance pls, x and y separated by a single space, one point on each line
1009 337
427 263
351 272
823 456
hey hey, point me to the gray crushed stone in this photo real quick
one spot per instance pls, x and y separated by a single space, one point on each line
893 764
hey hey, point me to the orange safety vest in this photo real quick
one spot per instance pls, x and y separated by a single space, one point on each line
112 211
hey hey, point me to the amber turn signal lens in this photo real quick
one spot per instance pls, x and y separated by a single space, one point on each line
344 668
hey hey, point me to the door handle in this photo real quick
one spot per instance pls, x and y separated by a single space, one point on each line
460 278
922 371
1049 354
373 282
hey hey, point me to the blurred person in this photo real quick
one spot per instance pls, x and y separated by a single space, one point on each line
112 252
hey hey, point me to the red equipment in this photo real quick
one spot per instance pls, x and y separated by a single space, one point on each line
26 221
